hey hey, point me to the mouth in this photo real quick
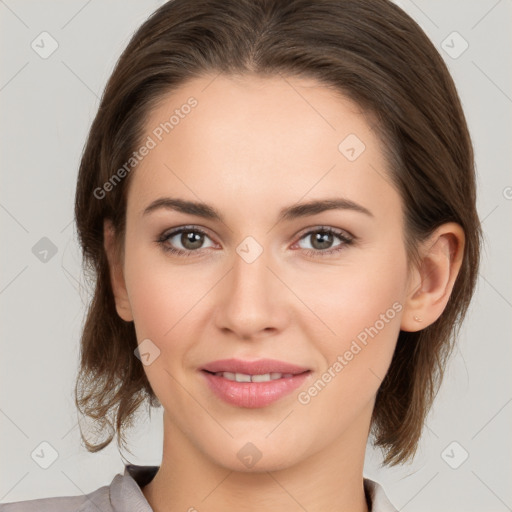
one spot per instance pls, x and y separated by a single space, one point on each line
253 384
245 377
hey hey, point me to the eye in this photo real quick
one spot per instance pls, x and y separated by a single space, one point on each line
184 241
322 239
187 240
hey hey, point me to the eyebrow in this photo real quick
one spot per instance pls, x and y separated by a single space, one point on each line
288 213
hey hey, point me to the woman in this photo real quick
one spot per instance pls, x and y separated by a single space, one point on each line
277 201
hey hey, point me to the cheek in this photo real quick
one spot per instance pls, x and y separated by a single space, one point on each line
364 310
165 304
159 295
153 305
361 305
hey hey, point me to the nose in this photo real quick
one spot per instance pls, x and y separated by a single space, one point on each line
252 301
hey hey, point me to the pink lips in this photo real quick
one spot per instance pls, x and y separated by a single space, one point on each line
253 394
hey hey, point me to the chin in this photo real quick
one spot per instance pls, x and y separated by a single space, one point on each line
256 456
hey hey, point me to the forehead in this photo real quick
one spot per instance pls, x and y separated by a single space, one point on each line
243 135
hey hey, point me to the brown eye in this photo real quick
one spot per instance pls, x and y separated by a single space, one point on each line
191 239
322 241
184 240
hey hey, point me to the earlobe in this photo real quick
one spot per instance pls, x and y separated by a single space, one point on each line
433 279
117 281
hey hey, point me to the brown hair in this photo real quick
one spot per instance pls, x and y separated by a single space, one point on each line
370 51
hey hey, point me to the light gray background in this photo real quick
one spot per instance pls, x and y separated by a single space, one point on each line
47 106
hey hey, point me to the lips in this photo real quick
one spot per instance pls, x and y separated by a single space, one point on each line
259 367
253 384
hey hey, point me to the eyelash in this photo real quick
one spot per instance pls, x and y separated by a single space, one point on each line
345 238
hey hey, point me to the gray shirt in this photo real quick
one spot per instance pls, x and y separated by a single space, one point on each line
124 494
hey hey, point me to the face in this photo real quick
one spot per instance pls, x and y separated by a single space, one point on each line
259 275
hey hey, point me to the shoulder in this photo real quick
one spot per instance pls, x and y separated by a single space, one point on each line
96 501
377 497
124 493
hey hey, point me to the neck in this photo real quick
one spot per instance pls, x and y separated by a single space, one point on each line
329 481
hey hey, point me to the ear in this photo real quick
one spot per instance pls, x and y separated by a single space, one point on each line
116 273
431 281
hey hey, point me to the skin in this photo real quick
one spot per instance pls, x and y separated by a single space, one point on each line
252 146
